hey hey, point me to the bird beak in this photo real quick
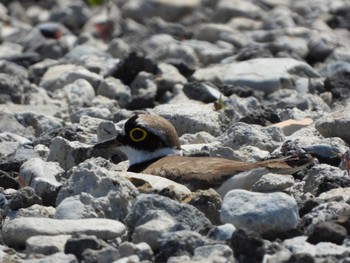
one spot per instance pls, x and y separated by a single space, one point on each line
113 143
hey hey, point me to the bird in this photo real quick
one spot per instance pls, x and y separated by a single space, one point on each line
152 146
345 161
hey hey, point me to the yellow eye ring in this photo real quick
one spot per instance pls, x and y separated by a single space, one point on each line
138 138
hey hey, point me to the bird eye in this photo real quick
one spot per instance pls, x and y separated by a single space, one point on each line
137 134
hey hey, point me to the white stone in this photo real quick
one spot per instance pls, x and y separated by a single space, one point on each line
259 212
17 231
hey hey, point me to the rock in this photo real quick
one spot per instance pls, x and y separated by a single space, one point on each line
209 53
25 197
46 245
263 74
273 183
214 253
130 67
35 210
208 202
79 93
186 215
66 153
57 257
318 179
331 210
273 211
212 32
192 117
340 193
146 183
338 85
39 122
327 232
76 207
56 77
13 87
202 91
335 124
17 231
262 117
114 89
169 76
95 112
248 244
118 48
222 232
39 175
141 11
8 123
152 225
6 181
227 9
85 247
181 243
241 134
142 250
143 91
290 126
108 193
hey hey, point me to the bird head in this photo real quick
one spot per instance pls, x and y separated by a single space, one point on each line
145 137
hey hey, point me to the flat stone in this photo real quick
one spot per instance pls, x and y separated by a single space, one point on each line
17 231
290 126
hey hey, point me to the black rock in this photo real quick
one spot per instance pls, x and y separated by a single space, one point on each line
23 198
7 181
77 245
307 206
301 258
243 92
281 235
327 232
339 85
180 243
202 91
12 162
247 246
263 117
185 69
330 182
133 64
253 52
